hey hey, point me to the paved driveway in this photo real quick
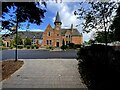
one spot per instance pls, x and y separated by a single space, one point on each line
46 73
39 54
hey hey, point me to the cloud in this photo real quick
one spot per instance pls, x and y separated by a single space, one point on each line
66 13
35 30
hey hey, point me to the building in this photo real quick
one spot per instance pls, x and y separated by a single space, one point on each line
55 36
36 37
50 37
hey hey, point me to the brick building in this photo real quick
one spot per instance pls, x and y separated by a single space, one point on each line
55 36
36 37
50 37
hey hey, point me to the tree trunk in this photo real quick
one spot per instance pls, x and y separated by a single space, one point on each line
16 52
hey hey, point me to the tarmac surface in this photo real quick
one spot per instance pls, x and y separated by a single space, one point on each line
38 54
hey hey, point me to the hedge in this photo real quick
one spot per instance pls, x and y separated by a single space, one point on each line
20 46
98 72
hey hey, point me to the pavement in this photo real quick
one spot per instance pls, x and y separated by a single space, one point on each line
46 73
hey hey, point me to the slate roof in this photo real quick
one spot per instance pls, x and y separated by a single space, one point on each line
29 34
57 20
74 33
26 34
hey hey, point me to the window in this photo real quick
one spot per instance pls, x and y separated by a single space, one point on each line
66 36
40 41
48 33
57 34
50 42
47 42
69 41
69 36
66 42
33 41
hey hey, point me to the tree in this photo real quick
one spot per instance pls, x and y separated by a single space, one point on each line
97 16
1 41
100 37
63 47
27 41
95 61
19 41
116 25
21 12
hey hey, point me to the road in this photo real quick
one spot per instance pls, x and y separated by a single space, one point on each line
39 54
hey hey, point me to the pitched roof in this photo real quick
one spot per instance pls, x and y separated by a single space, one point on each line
29 34
75 32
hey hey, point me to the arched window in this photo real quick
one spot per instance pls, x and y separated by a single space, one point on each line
49 33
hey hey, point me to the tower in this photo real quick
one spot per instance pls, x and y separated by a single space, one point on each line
57 22
57 31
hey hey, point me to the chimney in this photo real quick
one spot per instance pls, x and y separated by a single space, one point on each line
72 27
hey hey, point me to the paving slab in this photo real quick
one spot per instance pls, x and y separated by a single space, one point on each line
46 73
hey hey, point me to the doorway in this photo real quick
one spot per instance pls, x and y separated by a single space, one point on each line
7 44
57 44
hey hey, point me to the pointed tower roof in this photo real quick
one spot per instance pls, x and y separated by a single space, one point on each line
57 20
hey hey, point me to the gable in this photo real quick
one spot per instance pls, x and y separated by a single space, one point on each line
48 29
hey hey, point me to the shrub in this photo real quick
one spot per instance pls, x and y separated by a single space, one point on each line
27 41
3 44
77 46
63 47
50 47
37 47
47 47
28 46
11 47
20 46
96 70
4 48
71 45
32 46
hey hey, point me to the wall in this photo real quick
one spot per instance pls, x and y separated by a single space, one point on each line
77 39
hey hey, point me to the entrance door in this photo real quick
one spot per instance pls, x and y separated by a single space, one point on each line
7 44
57 44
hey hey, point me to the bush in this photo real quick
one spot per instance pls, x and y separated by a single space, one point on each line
11 47
28 46
77 46
71 45
98 72
3 44
37 47
63 47
32 46
27 41
50 47
4 48
20 46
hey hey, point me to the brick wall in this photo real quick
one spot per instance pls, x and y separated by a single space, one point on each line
77 39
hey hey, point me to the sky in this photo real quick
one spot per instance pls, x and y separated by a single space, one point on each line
66 12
